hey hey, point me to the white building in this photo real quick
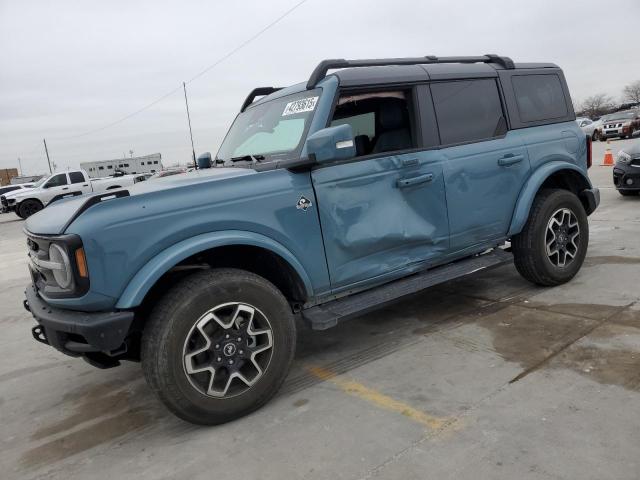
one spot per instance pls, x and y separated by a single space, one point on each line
147 164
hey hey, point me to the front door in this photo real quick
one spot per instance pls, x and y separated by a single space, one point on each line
383 213
485 165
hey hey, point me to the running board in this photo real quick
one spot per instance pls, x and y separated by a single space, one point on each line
327 315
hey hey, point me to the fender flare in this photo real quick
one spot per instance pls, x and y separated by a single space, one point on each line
531 187
161 263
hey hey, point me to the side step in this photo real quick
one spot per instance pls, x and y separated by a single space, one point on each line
327 315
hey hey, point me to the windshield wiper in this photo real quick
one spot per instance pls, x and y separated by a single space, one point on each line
247 158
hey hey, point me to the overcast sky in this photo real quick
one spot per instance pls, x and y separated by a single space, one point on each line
67 67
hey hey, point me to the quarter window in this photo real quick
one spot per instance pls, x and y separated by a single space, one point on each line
539 97
468 110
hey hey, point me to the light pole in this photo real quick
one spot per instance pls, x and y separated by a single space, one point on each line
193 150
47 152
20 166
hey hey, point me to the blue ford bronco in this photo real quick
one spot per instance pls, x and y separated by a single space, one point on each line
326 199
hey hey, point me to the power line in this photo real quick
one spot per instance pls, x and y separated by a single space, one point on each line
198 75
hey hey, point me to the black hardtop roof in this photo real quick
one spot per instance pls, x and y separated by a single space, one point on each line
352 73
401 70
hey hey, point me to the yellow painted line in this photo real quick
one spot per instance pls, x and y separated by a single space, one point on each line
378 399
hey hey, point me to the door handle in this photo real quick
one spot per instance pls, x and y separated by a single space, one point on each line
66 188
510 160
408 182
85 185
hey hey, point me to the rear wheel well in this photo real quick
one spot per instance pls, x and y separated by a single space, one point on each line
568 180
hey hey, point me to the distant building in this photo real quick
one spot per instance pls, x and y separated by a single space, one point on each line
6 174
104 168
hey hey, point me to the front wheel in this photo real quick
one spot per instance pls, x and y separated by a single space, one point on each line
553 243
218 346
28 208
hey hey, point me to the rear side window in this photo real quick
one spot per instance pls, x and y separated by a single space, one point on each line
468 110
539 97
76 177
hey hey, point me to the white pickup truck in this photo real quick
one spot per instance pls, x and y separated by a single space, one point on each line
58 186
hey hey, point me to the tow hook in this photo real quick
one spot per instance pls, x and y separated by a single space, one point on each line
39 334
26 305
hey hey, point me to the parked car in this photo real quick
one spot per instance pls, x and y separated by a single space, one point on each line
336 196
58 186
626 171
590 127
620 124
9 191
13 188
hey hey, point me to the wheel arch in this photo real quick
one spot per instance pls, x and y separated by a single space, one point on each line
235 249
555 174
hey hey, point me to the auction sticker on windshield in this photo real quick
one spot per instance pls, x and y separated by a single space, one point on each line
300 106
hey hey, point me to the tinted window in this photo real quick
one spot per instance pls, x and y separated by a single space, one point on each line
468 110
57 180
539 97
76 177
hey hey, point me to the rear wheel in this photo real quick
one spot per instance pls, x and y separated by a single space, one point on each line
553 243
218 345
28 208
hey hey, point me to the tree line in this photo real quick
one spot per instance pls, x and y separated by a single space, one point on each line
600 104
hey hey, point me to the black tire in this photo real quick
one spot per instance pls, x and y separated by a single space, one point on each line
173 321
529 246
28 208
628 193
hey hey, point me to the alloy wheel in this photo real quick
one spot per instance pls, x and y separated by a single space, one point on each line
562 238
228 350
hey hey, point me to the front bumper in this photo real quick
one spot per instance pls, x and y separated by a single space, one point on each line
626 177
78 333
5 206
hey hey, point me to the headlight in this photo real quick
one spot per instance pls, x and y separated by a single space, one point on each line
62 274
624 157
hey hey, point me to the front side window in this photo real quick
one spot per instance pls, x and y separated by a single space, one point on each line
539 97
273 130
468 110
381 121
57 180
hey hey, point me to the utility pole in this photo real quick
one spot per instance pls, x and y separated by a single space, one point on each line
20 166
47 152
193 150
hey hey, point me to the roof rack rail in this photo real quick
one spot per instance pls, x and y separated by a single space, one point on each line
324 66
258 92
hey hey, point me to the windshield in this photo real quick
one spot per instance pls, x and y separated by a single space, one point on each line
274 129
40 182
619 116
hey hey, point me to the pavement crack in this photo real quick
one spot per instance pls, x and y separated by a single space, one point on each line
568 344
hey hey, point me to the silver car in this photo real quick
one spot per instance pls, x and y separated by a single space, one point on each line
593 128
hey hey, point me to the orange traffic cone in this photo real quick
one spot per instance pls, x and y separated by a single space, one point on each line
608 158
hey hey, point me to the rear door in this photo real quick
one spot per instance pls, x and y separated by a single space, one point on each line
485 165
383 213
79 183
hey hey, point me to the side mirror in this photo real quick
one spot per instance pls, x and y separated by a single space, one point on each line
331 144
204 160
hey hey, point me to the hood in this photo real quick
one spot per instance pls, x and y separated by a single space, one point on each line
54 219
633 149
23 192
